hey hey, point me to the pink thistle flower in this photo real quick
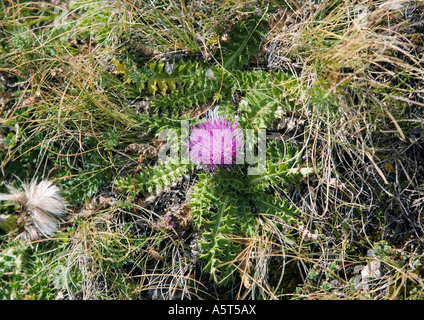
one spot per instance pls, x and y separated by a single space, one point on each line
215 142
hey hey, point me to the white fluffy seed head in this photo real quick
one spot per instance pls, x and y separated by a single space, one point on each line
46 197
14 195
42 205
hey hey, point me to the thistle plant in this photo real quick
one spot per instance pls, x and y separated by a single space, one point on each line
327 94
215 142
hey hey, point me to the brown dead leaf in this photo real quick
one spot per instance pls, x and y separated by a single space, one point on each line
143 149
155 254
244 273
183 216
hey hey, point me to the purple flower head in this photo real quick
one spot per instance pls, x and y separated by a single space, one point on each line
168 218
215 142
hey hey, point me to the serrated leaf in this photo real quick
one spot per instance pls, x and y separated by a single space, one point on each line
244 43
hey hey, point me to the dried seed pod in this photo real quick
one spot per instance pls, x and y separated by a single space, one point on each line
42 209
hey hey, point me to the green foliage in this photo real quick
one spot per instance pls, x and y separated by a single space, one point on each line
89 121
22 275
162 80
197 84
266 96
245 39
151 179
153 75
284 166
227 207
81 183
220 249
174 85
21 38
97 12
322 101
220 220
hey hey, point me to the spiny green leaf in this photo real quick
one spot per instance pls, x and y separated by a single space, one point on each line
152 178
245 39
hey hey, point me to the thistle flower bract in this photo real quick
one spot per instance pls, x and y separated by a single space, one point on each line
42 208
215 142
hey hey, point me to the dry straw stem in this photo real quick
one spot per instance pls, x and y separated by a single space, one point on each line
253 262
370 59
348 45
342 41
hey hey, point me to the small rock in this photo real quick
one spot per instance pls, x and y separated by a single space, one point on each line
370 253
358 269
372 270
